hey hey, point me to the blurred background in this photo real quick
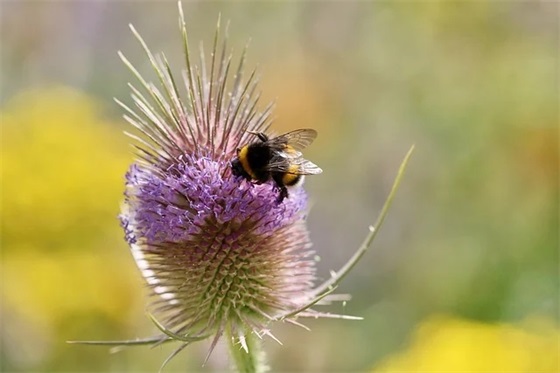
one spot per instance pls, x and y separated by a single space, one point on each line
463 276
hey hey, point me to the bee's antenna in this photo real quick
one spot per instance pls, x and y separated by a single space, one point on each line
261 135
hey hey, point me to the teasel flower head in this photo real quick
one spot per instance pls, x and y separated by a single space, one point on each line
220 255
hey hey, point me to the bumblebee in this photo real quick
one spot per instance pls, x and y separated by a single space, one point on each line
278 158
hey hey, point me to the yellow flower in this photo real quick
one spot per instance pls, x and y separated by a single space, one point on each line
61 174
61 170
444 344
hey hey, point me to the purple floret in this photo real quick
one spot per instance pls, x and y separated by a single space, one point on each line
173 208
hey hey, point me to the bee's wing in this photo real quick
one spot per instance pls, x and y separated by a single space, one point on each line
289 153
297 139
305 167
300 139
308 168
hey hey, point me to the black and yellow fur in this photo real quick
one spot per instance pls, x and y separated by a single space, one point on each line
273 159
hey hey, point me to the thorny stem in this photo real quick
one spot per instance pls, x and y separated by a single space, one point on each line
246 353
373 229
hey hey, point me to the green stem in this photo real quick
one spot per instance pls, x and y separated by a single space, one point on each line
250 360
373 230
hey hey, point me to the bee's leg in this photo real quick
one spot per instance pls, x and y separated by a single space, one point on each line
283 194
277 177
